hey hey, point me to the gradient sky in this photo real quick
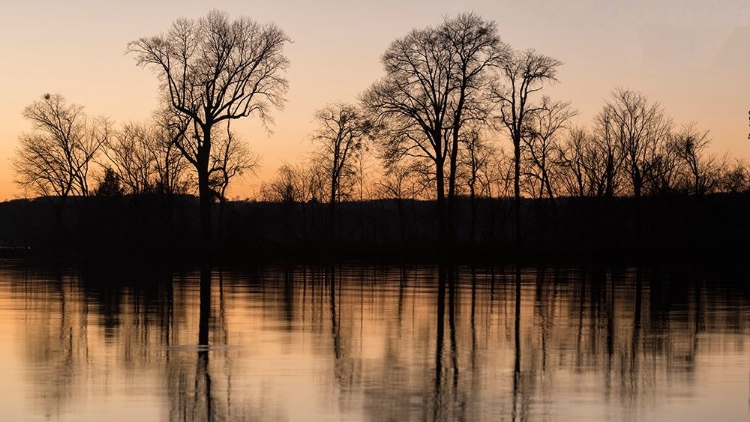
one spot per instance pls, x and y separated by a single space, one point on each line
692 56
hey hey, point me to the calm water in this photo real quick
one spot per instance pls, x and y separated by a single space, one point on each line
359 343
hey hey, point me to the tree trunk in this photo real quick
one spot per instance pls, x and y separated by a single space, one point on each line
473 228
453 164
442 223
205 305
548 185
517 188
205 195
205 198
332 205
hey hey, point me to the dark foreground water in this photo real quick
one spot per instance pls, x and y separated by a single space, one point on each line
357 343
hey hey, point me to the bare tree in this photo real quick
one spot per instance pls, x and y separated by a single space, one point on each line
523 74
171 167
285 187
53 159
132 156
637 127
400 182
575 179
703 169
541 145
735 177
434 85
145 158
341 130
230 158
213 70
591 166
476 158
295 183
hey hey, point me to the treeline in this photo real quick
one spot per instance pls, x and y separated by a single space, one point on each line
153 228
458 120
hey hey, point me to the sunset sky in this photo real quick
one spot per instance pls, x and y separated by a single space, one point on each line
692 56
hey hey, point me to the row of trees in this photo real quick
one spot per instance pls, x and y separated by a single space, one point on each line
55 159
449 93
452 90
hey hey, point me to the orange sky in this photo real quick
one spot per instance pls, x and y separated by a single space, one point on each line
692 56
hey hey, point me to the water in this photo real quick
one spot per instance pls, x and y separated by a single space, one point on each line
363 343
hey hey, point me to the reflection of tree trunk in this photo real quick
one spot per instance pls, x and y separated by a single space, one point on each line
517 339
289 297
609 298
439 344
169 318
401 288
205 305
473 319
581 305
541 304
452 323
222 327
203 379
334 322
202 375
698 324
636 330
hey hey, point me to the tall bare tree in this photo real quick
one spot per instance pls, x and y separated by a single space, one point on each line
339 135
213 70
53 159
434 84
475 160
636 127
542 144
522 75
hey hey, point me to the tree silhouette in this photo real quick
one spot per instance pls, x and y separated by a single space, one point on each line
110 184
636 127
541 145
586 162
231 158
702 175
53 160
523 74
339 135
213 70
434 85
145 158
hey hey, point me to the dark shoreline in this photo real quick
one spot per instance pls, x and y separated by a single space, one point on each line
151 231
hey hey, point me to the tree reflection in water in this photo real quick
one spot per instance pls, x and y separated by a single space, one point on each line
374 343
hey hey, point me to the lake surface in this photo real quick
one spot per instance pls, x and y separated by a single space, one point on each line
365 343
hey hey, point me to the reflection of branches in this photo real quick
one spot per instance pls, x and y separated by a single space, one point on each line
618 330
